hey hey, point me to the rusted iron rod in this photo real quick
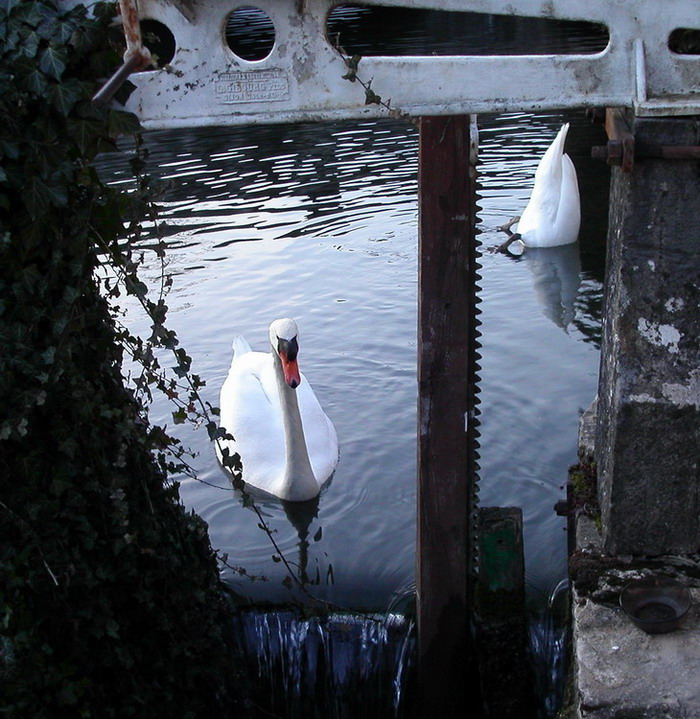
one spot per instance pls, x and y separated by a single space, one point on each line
129 11
612 152
670 152
131 64
622 149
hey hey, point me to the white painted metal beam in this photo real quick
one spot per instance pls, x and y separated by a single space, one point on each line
301 79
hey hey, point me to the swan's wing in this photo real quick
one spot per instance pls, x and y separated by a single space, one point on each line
250 411
570 199
240 346
568 219
540 213
321 436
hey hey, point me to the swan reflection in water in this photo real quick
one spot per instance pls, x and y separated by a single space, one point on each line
556 273
270 513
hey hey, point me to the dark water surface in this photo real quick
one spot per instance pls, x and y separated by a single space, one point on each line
319 222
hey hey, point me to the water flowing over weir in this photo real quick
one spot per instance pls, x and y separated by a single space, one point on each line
343 666
326 667
549 634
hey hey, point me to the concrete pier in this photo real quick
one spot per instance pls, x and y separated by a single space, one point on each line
648 430
643 436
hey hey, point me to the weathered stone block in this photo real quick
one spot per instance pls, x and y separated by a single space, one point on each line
648 437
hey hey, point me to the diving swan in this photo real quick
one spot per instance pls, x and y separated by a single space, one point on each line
553 214
287 444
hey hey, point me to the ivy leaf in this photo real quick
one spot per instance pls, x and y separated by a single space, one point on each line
184 363
53 62
9 148
123 123
103 10
59 194
48 355
137 288
64 95
216 411
371 97
32 13
9 5
58 487
37 197
30 44
215 432
83 38
180 416
35 81
62 31
85 133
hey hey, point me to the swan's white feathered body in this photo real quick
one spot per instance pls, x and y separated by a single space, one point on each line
287 444
553 214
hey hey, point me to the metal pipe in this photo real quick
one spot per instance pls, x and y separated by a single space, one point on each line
109 89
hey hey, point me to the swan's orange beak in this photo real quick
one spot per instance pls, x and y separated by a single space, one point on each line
291 371
287 350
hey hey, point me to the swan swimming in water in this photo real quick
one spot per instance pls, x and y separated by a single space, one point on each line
552 216
287 444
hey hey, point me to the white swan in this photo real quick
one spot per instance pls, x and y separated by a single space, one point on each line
553 214
287 444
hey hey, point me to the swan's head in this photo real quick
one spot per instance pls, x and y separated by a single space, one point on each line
284 338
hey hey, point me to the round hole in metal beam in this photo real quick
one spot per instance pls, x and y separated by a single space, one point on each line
159 39
684 41
250 33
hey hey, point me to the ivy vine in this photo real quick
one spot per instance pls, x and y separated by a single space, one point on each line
110 599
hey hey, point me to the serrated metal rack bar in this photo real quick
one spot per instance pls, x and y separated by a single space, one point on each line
447 414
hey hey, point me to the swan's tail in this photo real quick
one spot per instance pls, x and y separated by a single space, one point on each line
549 168
560 139
240 345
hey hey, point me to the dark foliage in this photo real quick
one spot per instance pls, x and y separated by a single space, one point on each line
110 604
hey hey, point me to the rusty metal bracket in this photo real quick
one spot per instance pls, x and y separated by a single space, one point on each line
620 148
136 56
622 151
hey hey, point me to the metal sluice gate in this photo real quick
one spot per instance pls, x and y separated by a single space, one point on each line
204 82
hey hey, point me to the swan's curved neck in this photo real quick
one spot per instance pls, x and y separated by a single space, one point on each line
299 482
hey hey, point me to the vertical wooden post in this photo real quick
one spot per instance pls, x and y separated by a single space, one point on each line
446 410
